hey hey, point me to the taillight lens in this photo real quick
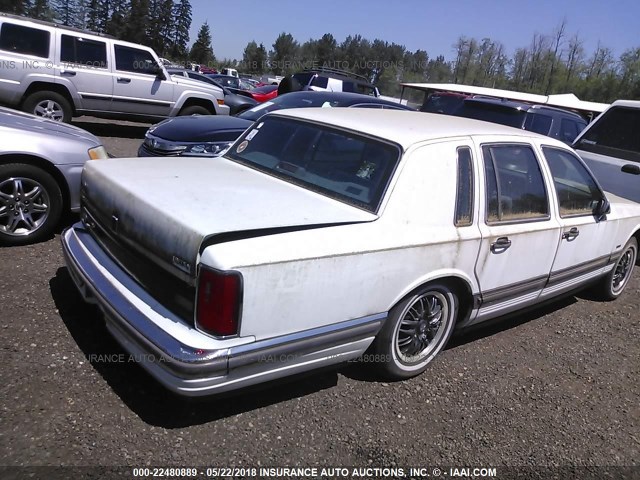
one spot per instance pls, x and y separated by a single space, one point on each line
218 303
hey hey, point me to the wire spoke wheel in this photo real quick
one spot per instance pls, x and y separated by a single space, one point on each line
622 270
421 327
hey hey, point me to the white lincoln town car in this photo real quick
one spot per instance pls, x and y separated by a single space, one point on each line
325 234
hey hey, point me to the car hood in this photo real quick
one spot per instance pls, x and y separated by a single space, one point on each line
197 128
26 122
168 210
197 85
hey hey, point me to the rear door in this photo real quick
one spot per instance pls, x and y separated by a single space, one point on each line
519 235
84 63
585 241
136 87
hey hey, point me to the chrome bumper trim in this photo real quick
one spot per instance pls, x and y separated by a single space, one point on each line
189 371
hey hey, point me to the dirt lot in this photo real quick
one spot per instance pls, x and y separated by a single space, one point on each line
555 387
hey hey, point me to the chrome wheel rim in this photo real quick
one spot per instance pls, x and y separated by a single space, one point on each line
422 327
623 270
49 109
24 206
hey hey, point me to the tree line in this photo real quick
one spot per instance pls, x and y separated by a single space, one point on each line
161 24
552 63
556 62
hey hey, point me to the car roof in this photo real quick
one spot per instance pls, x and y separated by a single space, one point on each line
345 98
404 127
626 103
517 105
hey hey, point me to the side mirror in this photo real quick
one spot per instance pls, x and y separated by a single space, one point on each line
632 169
602 209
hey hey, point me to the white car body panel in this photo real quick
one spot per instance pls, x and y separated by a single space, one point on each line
313 267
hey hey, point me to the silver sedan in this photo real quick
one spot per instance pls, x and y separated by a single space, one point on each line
40 166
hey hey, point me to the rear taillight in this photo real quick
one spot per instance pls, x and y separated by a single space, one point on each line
218 302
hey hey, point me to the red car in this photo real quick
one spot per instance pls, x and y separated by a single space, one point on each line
265 93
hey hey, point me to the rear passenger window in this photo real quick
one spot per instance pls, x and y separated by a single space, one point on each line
24 40
539 123
569 130
464 191
514 184
578 193
320 82
81 51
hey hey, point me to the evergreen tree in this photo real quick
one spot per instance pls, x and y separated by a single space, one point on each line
137 22
40 10
254 58
118 15
93 16
181 25
201 51
283 55
15 7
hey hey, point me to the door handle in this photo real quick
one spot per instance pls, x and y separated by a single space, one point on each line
123 80
68 73
571 234
501 244
630 168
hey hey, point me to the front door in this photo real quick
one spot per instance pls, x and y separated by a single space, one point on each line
519 236
584 243
137 88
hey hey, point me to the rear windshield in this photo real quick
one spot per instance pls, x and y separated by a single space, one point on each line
488 112
615 133
343 165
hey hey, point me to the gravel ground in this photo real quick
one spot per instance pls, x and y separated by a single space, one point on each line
554 387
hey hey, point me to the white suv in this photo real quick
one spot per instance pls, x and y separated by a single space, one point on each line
59 72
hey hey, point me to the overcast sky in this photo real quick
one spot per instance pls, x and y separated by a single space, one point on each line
431 25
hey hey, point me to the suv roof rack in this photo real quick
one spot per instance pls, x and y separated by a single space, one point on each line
56 25
336 71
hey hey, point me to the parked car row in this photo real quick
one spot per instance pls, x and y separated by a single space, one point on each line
318 194
211 135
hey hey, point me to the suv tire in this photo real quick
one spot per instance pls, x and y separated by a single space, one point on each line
49 105
194 110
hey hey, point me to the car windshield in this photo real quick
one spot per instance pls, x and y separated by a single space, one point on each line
343 165
490 112
290 100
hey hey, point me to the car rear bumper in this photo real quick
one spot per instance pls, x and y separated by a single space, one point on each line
132 318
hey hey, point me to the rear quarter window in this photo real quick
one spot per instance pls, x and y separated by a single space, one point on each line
24 40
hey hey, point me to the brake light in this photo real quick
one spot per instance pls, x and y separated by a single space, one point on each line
218 302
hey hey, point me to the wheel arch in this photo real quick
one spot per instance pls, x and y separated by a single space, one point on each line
44 165
636 234
459 283
49 87
198 102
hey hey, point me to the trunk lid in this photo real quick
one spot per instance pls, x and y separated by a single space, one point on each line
165 209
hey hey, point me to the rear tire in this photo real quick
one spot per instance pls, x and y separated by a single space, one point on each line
612 286
30 204
194 110
49 105
417 329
